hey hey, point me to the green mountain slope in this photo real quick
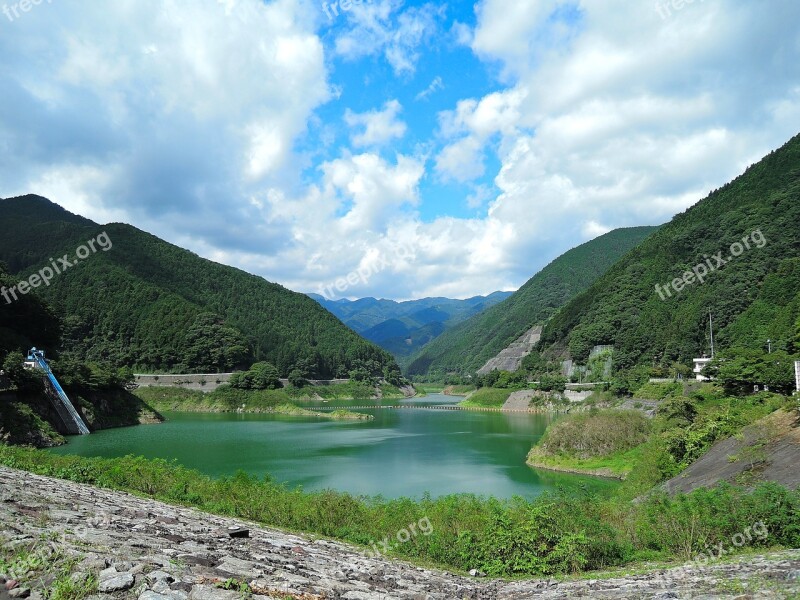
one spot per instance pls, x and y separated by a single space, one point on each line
467 346
752 297
25 322
151 305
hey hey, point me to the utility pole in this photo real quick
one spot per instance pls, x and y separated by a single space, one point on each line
711 326
769 346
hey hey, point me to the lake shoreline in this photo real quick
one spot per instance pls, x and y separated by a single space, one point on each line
289 410
603 472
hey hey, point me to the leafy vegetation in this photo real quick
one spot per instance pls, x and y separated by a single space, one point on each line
261 376
552 534
25 322
41 560
740 369
487 397
625 443
154 307
467 346
601 433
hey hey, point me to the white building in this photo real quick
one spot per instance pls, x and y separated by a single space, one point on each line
699 363
797 375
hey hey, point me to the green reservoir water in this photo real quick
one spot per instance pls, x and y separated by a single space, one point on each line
403 452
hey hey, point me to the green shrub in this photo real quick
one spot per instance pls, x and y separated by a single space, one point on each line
659 391
596 433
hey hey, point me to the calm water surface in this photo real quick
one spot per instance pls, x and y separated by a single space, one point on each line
401 453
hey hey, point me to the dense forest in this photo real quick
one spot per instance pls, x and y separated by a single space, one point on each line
751 224
26 322
467 346
152 306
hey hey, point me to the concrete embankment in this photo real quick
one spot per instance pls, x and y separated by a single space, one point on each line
141 549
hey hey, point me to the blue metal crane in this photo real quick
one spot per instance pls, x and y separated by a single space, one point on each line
59 397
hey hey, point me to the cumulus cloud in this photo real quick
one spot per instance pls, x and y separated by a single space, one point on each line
380 126
603 115
388 28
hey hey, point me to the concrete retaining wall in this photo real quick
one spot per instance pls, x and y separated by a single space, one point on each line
573 396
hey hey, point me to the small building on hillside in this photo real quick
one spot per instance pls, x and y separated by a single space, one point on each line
699 364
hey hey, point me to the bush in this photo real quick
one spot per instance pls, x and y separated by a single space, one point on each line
659 391
18 374
261 376
596 433
552 383
297 379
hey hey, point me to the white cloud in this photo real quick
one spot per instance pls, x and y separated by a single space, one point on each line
380 126
386 27
462 160
608 116
370 189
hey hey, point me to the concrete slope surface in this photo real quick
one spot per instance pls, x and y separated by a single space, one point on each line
147 550
768 450
510 358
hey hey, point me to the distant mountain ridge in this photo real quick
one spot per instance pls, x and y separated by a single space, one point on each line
154 306
404 327
470 344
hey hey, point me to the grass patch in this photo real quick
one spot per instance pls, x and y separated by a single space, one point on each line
617 465
41 563
659 391
487 398
595 434
429 388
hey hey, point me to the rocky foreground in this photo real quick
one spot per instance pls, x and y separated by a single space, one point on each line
129 547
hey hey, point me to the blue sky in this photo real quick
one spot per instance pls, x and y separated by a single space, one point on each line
415 148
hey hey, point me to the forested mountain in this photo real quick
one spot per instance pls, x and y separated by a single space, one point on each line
403 328
25 322
153 306
467 346
752 297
